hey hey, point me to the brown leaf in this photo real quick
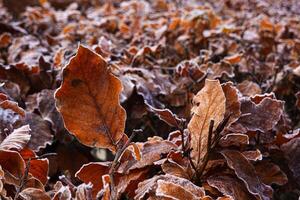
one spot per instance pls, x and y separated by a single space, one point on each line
246 172
38 167
270 173
92 173
41 135
17 140
291 152
253 155
249 88
234 139
209 104
34 194
11 115
168 186
234 59
233 104
151 151
12 162
91 93
46 106
167 116
260 117
230 186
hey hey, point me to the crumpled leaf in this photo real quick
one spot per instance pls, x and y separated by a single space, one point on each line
246 172
17 140
41 135
234 139
88 100
208 104
168 186
34 194
230 186
151 151
262 116
270 173
94 172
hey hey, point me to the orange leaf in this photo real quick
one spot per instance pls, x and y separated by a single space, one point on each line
88 100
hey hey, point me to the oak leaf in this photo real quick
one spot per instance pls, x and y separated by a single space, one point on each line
88 100
209 104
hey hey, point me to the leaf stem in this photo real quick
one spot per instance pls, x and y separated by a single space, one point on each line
115 164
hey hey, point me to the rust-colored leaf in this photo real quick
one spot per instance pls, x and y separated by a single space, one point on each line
208 104
88 100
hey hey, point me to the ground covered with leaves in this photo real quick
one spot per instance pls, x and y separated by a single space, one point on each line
153 100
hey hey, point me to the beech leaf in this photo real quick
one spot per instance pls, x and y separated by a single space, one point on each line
208 104
17 140
88 100
246 172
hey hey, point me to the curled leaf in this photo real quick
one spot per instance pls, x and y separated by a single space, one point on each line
246 172
17 140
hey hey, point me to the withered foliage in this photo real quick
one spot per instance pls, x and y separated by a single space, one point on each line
152 100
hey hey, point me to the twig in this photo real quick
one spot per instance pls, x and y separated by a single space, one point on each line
23 180
115 164
209 148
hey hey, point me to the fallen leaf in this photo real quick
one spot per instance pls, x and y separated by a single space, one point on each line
246 172
260 117
291 151
158 186
91 93
230 186
270 173
17 140
34 194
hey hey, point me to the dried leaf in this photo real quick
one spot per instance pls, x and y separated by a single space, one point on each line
234 139
34 194
41 135
168 186
209 104
233 104
291 151
12 162
249 88
91 93
270 173
151 151
17 140
260 117
38 167
246 172
230 186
